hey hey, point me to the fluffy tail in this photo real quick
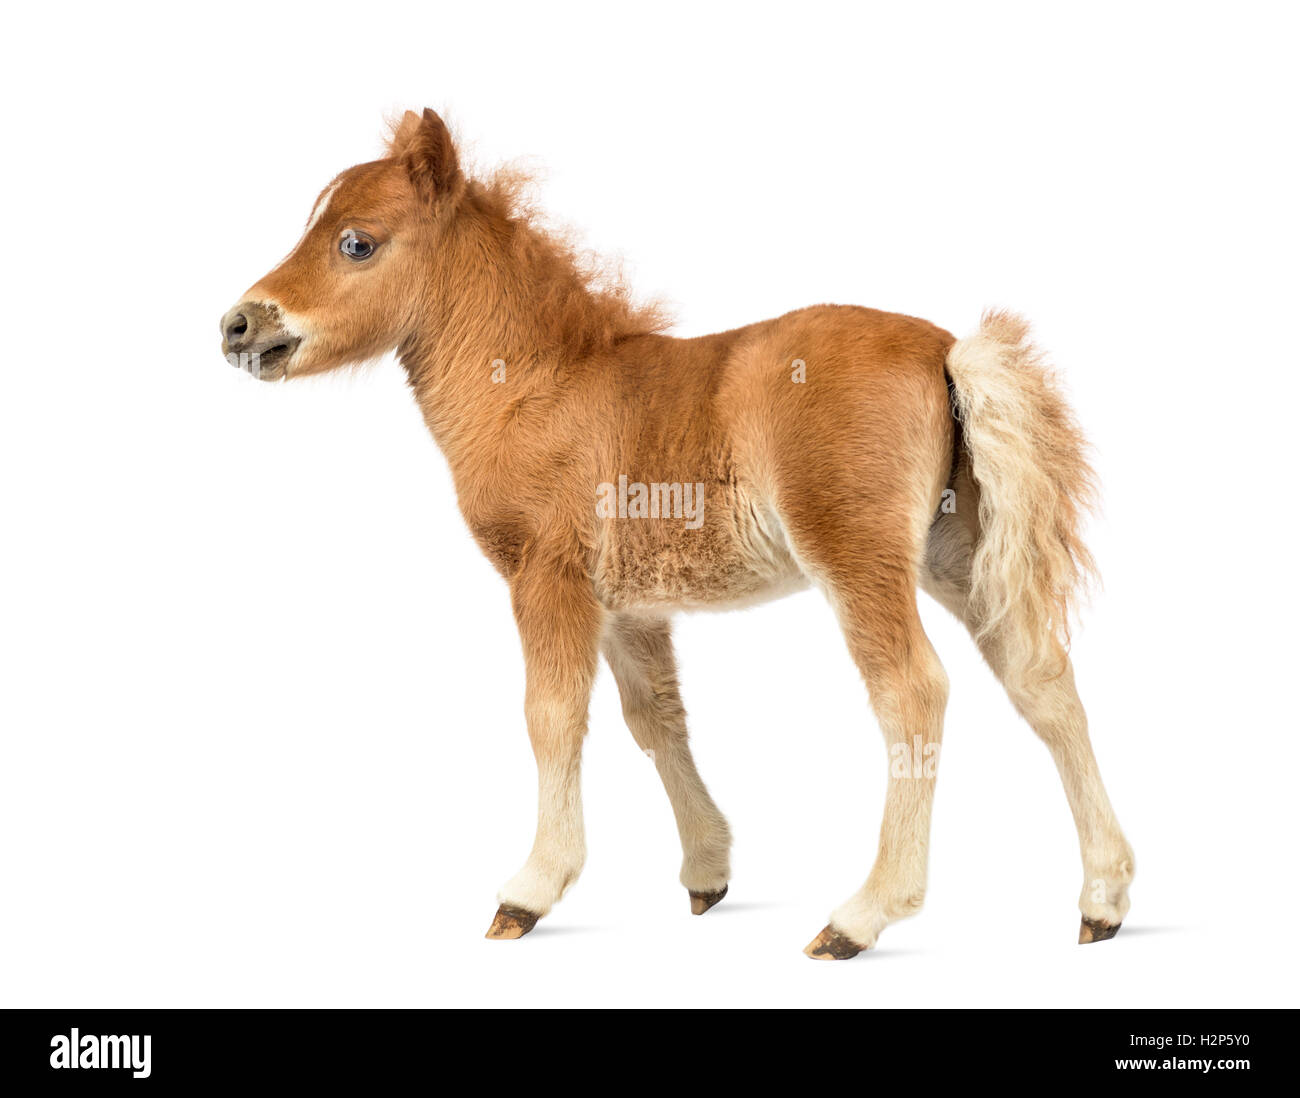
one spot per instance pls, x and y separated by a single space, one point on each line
1028 456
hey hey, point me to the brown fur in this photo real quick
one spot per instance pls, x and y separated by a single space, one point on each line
541 382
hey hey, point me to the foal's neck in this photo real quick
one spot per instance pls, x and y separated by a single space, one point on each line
509 316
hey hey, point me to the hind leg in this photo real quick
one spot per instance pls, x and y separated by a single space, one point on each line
640 653
1054 711
1051 705
871 584
908 690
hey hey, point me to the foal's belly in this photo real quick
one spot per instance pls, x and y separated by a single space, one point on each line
737 555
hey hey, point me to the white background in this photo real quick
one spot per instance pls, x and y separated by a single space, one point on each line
262 734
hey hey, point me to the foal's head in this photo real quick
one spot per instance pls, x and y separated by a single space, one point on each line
351 288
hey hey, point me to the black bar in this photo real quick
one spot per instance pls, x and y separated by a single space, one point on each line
517 1050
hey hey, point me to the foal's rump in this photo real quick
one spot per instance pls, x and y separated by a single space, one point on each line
886 447
842 419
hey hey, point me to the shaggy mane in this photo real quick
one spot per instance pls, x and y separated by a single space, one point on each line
581 297
581 300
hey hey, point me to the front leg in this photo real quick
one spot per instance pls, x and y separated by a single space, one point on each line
560 624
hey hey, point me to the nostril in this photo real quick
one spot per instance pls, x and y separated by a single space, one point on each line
237 327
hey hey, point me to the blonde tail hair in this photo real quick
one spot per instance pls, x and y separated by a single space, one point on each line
1028 456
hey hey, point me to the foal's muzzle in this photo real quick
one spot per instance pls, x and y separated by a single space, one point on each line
254 339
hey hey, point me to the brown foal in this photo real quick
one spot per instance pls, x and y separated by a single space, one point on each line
614 474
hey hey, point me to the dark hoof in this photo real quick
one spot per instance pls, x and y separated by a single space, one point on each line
702 901
831 945
511 922
1093 930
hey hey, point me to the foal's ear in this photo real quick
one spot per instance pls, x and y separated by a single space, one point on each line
423 145
401 132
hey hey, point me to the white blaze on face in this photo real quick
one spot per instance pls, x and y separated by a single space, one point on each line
318 211
292 324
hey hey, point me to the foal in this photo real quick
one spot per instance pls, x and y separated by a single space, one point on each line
614 474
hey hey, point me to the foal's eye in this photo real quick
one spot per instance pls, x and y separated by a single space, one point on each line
356 246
